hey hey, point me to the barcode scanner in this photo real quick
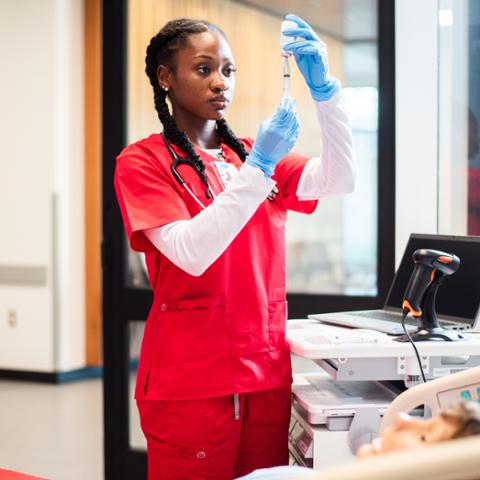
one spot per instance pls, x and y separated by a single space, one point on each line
431 267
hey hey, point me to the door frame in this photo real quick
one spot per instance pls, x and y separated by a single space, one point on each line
122 304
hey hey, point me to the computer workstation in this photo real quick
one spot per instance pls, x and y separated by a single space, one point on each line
458 300
361 366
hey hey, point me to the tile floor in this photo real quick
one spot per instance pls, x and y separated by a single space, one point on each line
53 431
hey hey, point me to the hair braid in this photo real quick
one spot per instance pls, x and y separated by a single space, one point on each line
162 50
227 135
174 134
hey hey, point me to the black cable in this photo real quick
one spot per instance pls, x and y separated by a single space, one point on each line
405 313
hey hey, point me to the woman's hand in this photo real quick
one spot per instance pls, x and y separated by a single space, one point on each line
311 56
276 137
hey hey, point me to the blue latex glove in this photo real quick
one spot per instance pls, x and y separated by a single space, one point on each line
311 57
276 137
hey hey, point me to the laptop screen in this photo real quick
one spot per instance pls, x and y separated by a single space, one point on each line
459 294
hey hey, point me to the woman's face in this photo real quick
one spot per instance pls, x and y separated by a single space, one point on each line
409 433
202 81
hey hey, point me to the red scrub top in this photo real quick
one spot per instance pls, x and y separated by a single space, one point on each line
222 332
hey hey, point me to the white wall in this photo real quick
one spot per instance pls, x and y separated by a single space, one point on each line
41 185
416 119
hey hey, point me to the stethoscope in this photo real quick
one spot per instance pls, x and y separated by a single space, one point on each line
176 162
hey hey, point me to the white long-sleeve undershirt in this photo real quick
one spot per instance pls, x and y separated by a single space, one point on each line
335 171
194 244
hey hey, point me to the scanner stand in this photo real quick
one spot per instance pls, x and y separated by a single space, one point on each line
428 326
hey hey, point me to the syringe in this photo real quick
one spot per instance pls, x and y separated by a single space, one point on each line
287 92
286 66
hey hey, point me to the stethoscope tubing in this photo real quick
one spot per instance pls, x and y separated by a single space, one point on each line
176 161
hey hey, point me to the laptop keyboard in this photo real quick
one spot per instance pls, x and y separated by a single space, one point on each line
386 316
397 318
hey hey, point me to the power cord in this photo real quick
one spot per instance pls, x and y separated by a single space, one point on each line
404 316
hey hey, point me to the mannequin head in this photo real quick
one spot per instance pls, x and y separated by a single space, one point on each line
408 432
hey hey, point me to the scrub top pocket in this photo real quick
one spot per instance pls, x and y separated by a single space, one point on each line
193 336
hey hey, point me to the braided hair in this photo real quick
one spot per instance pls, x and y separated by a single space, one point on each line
161 50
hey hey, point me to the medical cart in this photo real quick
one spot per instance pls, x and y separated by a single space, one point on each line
340 408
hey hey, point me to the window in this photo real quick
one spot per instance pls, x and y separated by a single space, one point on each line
333 251
459 117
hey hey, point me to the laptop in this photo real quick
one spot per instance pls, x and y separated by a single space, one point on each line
458 298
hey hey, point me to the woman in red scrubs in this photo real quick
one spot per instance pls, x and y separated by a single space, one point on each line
213 384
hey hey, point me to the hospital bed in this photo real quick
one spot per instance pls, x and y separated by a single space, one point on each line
436 395
451 460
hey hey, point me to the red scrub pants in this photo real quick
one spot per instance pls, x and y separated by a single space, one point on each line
216 438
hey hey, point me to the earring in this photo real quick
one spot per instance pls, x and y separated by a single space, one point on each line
165 88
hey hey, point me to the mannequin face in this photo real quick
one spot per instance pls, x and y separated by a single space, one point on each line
409 433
